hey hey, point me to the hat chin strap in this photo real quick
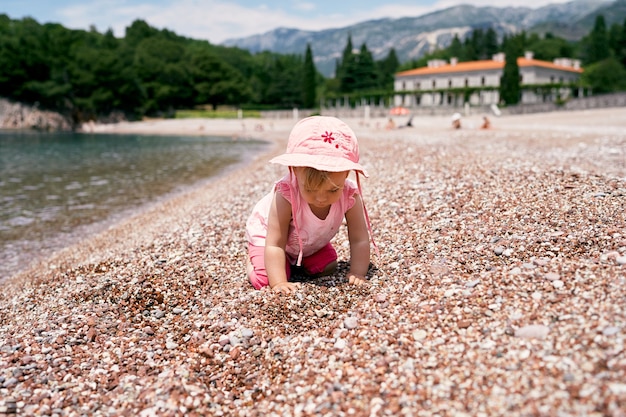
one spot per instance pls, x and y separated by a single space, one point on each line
295 205
367 217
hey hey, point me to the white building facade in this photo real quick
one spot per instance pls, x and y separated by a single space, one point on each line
455 83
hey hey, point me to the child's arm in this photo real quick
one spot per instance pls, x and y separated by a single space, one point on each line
275 242
359 243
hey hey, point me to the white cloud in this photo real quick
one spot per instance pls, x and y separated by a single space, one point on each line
218 20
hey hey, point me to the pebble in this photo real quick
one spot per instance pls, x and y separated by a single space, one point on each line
532 331
621 260
380 297
472 284
224 340
552 276
350 322
557 284
340 344
419 334
610 331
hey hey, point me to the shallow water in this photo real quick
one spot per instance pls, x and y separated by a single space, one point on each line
55 187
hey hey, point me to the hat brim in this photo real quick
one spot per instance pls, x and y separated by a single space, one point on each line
319 162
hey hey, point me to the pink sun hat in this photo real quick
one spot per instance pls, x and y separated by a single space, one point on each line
324 143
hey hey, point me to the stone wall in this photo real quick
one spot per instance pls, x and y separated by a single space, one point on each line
20 116
583 103
591 102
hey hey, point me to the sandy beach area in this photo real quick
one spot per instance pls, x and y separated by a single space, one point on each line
499 289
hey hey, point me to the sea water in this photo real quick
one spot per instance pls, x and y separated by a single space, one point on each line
57 187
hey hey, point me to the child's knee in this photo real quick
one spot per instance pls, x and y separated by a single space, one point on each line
330 268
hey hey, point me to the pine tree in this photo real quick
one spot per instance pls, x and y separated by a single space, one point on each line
365 71
346 73
387 69
621 46
491 43
510 82
308 80
598 45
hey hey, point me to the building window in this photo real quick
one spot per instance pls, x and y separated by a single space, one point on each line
417 86
403 85
521 79
552 79
466 82
434 83
482 81
449 83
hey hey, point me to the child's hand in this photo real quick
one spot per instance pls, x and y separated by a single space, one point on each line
286 287
356 279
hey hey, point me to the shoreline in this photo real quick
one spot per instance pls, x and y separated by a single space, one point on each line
499 288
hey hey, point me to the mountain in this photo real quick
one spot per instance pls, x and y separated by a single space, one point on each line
412 37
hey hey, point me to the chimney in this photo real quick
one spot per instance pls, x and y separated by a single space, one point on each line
454 60
529 55
436 63
499 57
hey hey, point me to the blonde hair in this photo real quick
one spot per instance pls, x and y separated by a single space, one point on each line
313 178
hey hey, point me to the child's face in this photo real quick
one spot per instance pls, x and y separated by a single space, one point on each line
327 193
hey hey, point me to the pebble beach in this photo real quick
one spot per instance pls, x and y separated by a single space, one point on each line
499 287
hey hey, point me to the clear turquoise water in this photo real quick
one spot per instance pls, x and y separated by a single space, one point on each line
56 187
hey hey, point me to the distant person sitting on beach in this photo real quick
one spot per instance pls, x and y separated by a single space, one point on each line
456 120
390 124
486 123
294 223
409 123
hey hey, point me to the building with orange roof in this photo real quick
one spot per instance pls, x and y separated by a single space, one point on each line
454 83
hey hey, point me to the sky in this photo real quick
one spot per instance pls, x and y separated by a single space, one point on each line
218 20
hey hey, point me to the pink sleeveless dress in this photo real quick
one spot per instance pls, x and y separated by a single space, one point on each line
307 233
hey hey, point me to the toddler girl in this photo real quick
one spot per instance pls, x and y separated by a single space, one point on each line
294 223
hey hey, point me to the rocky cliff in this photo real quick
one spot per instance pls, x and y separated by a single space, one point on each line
20 116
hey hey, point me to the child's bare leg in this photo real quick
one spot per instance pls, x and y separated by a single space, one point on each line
249 267
328 269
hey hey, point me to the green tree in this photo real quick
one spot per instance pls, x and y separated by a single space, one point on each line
309 80
365 71
597 45
620 47
347 69
456 48
491 46
510 82
387 69
550 47
605 76
215 82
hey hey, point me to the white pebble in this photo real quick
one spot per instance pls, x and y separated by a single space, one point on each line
532 331
340 344
350 322
557 284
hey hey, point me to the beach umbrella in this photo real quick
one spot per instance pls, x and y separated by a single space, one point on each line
399 111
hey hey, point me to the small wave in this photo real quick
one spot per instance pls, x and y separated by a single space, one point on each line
20 221
83 207
73 186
